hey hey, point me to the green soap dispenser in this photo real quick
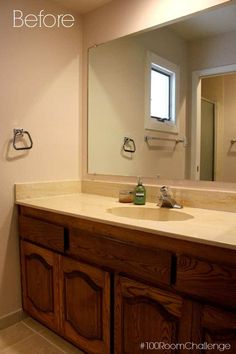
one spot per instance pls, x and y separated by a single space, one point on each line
139 193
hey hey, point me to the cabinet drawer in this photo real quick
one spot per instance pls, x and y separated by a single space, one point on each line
150 264
42 233
211 281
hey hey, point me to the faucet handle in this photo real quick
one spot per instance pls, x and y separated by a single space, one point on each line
163 188
166 199
164 191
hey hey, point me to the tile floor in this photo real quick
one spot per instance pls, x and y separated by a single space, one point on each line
30 337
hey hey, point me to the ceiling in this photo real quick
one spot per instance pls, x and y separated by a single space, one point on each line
212 22
82 6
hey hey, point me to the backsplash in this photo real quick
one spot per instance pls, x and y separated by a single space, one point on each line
46 189
196 198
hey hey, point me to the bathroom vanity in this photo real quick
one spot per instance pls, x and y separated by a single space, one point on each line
113 284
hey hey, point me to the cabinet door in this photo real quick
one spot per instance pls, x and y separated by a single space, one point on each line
86 306
215 327
145 315
39 269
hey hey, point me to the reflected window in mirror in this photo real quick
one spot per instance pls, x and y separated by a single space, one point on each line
162 81
160 94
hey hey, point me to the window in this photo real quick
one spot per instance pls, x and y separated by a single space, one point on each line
162 80
160 94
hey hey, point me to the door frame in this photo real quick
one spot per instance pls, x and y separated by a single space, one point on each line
196 112
215 119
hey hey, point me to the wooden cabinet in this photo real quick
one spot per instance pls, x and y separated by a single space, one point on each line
147 318
85 305
146 315
40 284
216 327
206 280
42 233
153 265
112 290
68 296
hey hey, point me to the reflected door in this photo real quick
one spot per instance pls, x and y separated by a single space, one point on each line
207 156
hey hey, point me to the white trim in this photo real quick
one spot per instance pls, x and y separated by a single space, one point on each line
215 118
168 67
196 112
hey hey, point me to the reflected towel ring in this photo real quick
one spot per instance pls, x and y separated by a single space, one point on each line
20 133
129 145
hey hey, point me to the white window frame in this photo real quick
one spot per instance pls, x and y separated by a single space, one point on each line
172 70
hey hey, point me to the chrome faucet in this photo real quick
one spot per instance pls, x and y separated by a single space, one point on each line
166 200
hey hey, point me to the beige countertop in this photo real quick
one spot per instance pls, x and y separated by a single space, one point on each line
200 225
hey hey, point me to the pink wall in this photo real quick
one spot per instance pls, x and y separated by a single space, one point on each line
39 92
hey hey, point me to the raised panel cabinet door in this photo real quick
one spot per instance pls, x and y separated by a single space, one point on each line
39 271
215 329
148 319
85 292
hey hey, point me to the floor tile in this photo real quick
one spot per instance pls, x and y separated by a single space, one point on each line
34 325
14 334
30 337
60 342
35 344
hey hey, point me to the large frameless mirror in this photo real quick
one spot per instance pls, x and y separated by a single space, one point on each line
171 92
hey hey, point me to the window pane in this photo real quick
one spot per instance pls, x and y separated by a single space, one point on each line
160 94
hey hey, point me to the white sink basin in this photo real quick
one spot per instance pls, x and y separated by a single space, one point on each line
148 213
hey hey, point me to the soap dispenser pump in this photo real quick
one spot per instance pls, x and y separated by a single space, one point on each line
140 193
